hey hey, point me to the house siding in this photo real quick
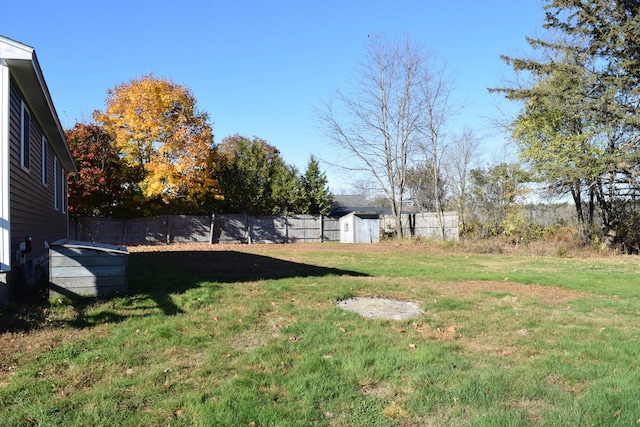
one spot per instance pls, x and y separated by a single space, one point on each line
31 203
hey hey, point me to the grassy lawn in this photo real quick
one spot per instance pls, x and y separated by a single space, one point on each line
249 336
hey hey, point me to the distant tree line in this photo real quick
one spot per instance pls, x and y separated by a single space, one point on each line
151 152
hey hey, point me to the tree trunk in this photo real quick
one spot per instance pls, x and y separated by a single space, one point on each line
577 200
440 215
438 196
397 214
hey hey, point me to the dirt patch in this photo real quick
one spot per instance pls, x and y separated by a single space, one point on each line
545 294
381 308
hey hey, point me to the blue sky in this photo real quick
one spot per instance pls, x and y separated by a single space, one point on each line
259 67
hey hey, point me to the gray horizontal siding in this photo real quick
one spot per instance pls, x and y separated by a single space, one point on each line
86 271
32 207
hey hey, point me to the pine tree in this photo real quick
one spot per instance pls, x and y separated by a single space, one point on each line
579 127
317 198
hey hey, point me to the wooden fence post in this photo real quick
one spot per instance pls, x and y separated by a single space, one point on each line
211 228
167 230
286 229
248 228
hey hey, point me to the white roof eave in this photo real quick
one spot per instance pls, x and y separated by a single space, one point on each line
25 70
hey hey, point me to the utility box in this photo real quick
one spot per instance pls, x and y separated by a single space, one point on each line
360 227
87 269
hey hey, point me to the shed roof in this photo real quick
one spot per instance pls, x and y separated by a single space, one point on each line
345 204
363 215
27 74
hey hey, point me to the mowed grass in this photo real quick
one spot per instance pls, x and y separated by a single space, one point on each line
249 336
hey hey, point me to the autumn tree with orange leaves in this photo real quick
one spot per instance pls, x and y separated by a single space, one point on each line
158 128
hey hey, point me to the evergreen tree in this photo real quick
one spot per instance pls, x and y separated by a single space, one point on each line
316 197
579 127
253 178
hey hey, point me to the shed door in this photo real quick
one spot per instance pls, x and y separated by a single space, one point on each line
367 231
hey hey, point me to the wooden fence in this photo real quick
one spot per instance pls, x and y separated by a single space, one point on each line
240 228
423 224
274 229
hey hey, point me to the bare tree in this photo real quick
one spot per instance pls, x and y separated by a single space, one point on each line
436 93
460 161
379 124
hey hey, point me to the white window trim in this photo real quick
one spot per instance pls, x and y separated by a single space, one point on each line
44 157
63 191
25 145
55 183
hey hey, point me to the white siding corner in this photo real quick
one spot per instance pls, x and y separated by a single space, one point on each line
5 229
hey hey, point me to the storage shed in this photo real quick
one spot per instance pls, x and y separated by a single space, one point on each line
87 269
360 227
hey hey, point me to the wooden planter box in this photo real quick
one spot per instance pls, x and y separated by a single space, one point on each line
86 269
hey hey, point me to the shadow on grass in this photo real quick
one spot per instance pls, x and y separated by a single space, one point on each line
224 266
153 277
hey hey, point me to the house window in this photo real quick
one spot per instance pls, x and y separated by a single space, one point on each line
63 191
55 183
25 137
346 227
44 152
